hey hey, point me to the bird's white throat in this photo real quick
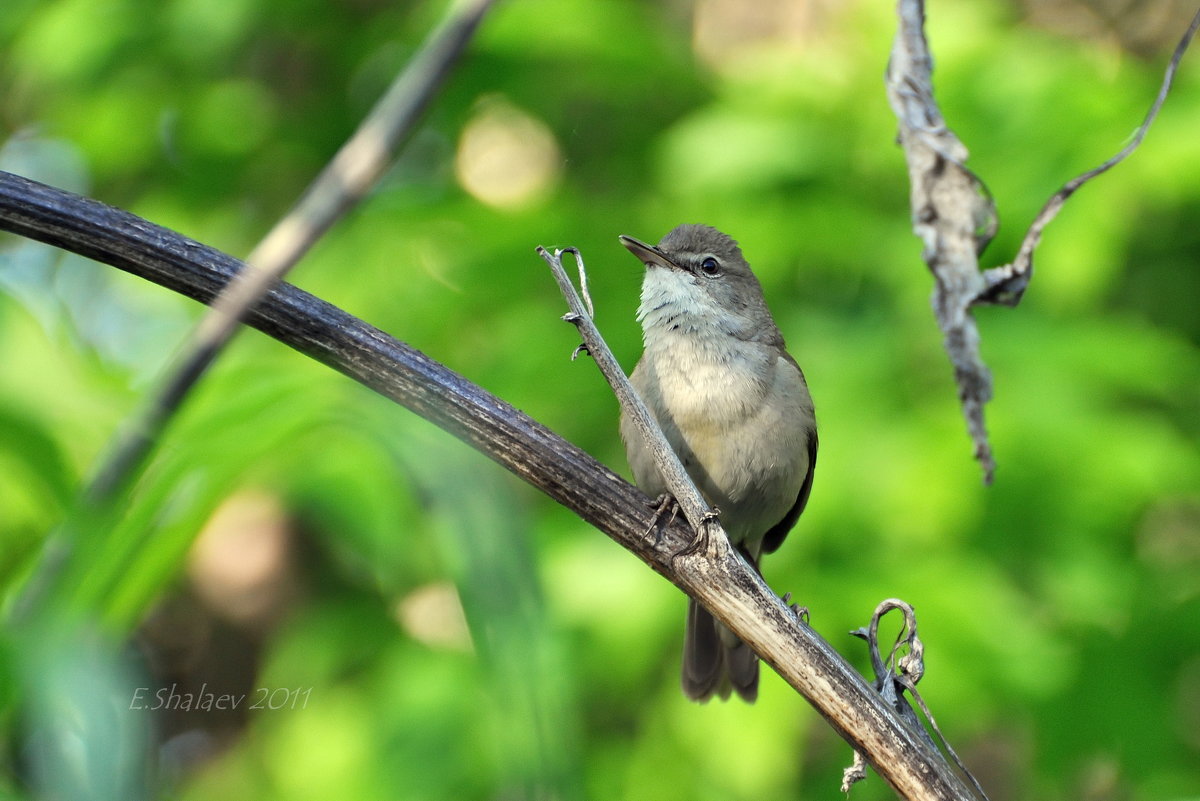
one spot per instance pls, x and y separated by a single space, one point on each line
672 300
704 372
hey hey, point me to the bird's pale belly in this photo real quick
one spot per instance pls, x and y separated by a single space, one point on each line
731 468
745 456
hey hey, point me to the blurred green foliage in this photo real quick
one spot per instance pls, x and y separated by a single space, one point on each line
1060 608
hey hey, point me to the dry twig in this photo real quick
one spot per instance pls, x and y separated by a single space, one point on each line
679 484
955 218
1004 285
897 673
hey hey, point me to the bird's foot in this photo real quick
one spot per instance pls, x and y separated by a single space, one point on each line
662 504
700 543
801 612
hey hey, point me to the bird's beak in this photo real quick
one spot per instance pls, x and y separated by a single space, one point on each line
647 254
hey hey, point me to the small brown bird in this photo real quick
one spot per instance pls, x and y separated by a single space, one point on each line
735 408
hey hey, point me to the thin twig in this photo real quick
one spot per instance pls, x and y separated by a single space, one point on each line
679 483
910 685
583 279
1006 284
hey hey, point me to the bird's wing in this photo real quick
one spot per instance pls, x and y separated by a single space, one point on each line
778 532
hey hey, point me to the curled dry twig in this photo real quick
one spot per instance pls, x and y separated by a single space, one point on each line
955 217
897 673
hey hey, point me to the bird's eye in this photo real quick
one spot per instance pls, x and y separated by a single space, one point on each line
710 267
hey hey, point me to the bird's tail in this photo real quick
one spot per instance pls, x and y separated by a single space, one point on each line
715 661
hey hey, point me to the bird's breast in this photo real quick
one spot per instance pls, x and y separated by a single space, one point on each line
738 415
709 385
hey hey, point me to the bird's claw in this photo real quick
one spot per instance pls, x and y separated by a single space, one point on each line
801 612
700 542
661 505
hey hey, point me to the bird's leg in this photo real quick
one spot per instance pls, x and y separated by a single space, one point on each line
801 612
662 504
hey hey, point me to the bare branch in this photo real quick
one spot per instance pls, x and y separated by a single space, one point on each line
952 214
955 218
531 451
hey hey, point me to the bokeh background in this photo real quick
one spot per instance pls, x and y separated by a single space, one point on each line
413 623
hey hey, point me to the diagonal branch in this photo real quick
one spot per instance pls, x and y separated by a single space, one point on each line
340 186
343 182
534 453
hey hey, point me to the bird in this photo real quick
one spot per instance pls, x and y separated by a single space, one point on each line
716 376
